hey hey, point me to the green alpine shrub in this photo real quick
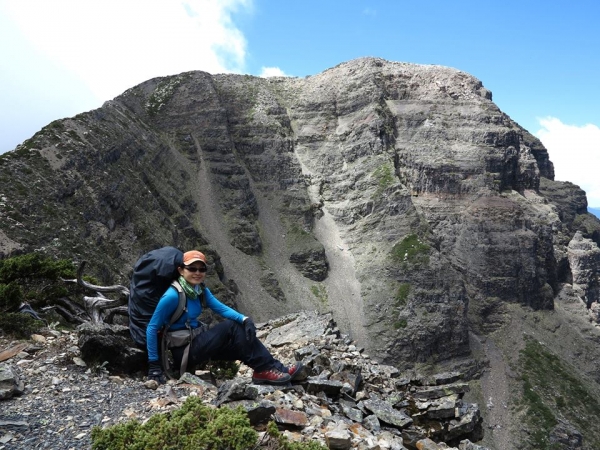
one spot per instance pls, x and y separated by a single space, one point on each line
221 370
280 442
35 279
194 425
19 325
11 297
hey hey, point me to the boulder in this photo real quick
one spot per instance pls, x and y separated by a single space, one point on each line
11 383
111 343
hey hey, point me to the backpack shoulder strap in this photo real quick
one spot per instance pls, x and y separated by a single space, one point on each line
202 296
183 301
180 306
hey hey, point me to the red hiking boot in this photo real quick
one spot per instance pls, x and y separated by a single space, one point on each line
271 376
295 371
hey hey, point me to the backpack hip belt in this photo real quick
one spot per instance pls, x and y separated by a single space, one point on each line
179 338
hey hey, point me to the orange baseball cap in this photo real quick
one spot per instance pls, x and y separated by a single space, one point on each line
193 256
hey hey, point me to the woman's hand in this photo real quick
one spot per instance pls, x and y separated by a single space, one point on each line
249 329
155 372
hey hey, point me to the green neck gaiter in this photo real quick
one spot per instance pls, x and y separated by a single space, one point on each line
189 290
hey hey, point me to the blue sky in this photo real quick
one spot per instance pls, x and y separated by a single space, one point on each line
540 59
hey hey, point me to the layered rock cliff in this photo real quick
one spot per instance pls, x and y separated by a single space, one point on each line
396 195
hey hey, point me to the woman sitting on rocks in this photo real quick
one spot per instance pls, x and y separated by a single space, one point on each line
230 340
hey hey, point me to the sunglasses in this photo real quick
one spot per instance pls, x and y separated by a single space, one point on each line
195 269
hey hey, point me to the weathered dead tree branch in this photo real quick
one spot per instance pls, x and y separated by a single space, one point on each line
66 314
99 308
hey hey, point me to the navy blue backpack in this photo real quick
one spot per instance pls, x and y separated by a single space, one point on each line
153 273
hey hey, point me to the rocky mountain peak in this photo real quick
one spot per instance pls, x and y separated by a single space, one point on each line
396 196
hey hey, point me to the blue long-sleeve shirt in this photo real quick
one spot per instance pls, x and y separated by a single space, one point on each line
167 306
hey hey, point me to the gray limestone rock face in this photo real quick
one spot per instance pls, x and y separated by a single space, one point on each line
584 260
397 196
312 263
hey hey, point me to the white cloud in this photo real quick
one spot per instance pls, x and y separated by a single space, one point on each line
267 72
114 44
575 152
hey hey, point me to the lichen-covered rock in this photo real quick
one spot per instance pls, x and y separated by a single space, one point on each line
338 439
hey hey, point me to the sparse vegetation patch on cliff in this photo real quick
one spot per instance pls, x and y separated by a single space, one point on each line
402 294
162 94
554 393
385 178
411 250
319 291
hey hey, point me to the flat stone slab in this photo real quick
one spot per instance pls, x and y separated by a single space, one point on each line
305 327
386 413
